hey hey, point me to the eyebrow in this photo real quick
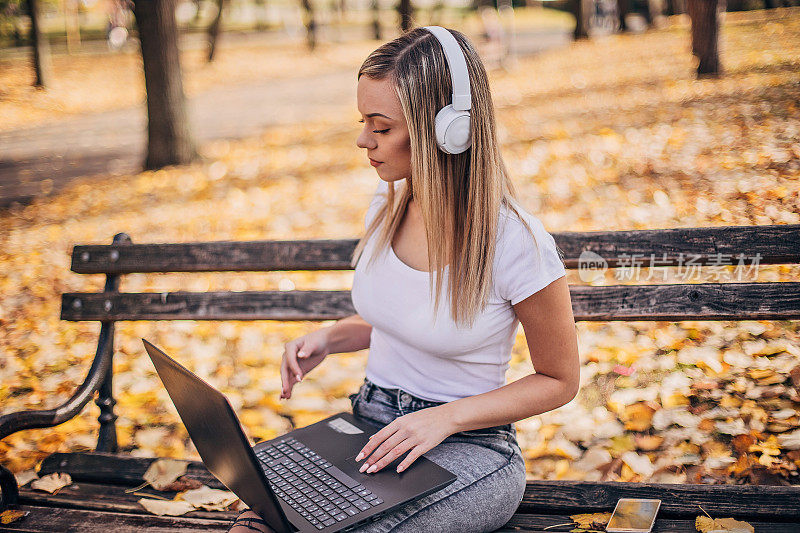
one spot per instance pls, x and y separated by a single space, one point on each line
370 115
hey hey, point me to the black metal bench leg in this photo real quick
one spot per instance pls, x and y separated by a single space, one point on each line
98 378
107 435
8 486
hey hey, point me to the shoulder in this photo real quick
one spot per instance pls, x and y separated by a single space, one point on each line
525 261
512 230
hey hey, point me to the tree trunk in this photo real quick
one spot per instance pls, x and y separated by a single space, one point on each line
654 13
676 7
406 12
72 25
41 48
260 24
580 8
376 20
197 13
311 25
623 8
169 139
18 39
705 36
437 12
213 30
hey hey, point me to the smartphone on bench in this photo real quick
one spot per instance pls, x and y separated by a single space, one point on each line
633 515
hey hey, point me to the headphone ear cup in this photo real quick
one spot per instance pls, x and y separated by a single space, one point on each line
453 130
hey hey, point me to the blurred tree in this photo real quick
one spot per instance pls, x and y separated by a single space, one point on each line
198 13
705 36
581 10
169 139
678 7
41 47
72 24
623 8
213 30
10 12
406 12
654 13
261 6
436 12
311 24
376 19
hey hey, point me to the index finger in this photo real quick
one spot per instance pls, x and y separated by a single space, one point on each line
376 439
294 366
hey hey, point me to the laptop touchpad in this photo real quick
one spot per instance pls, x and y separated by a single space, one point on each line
350 467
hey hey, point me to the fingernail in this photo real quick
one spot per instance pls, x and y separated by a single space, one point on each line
359 456
363 467
372 469
298 377
301 353
400 469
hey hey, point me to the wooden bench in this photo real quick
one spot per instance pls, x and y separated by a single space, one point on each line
97 501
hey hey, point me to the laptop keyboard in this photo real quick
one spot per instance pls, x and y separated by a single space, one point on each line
320 492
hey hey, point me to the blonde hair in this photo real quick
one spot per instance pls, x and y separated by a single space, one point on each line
460 195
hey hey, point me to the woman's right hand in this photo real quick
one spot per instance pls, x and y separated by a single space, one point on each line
300 356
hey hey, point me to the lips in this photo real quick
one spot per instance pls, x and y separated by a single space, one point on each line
374 163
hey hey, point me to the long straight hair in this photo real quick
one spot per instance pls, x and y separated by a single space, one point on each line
459 195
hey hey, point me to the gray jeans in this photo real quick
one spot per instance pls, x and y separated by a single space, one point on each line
488 462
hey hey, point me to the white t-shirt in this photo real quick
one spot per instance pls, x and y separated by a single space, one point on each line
442 362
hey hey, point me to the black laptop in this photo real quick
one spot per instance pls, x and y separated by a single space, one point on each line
305 480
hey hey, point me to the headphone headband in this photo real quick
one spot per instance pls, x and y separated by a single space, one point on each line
462 98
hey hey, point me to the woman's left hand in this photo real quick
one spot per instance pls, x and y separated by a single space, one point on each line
419 432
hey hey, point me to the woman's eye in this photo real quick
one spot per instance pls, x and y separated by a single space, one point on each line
376 131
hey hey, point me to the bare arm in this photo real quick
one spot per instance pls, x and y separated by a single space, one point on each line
349 334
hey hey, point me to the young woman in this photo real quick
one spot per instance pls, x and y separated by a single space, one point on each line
435 373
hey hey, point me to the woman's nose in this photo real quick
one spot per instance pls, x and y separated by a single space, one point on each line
364 140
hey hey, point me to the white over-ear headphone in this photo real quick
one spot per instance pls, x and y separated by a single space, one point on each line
453 120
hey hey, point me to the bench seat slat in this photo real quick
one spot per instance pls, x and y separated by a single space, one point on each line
47 519
698 301
107 497
538 522
541 497
55 519
775 244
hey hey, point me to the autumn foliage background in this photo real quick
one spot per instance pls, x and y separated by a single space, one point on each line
611 134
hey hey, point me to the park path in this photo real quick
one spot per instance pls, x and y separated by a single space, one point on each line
40 160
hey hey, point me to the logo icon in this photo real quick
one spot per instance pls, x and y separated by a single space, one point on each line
591 266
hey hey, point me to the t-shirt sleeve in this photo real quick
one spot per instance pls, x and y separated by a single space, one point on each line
378 198
522 270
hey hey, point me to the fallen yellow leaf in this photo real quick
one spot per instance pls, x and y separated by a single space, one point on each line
52 483
168 507
163 472
12 515
705 524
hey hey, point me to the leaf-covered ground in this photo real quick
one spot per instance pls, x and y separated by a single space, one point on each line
610 134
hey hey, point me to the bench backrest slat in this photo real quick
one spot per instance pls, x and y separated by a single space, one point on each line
670 247
701 301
